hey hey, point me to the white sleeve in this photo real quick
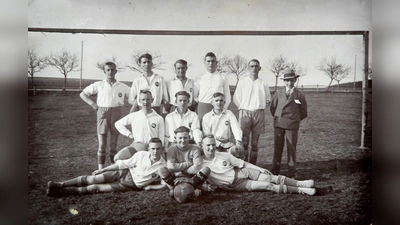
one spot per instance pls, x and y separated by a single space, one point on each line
237 97
237 131
227 93
268 93
127 163
196 129
91 89
133 92
121 124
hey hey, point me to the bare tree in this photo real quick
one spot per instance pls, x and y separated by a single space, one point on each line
100 65
35 65
333 69
158 62
276 66
236 65
65 62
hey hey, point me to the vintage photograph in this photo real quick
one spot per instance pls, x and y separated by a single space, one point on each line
200 112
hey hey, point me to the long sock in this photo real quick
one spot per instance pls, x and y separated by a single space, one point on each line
201 177
291 190
112 158
82 190
101 159
167 176
290 182
79 181
253 157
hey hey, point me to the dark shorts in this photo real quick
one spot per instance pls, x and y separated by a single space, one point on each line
202 109
252 121
124 181
243 179
106 118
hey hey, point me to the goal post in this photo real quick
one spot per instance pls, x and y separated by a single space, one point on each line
364 34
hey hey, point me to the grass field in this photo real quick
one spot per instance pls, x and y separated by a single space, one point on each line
63 145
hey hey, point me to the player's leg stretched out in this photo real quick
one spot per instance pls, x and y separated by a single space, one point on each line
105 182
282 184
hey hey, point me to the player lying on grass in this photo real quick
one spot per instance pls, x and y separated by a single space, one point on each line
139 172
233 174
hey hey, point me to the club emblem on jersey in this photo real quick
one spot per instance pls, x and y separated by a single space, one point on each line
134 166
153 125
191 90
224 163
157 84
120 94
153 175
227 123
190 125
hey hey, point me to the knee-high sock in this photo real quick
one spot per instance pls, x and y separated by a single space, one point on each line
167 176
201 177
76 182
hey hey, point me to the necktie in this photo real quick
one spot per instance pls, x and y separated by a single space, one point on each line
287 94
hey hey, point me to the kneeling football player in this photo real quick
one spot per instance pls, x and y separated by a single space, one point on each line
233 174
139 172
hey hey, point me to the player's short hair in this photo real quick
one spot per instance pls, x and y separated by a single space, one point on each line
110 64
208 136
254 60
182 93
146 56
181 61
146 91
181 129
217 94
155 140
210 54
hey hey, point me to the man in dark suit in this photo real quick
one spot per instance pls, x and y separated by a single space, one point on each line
288 108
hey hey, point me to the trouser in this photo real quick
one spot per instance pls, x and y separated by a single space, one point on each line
202 109
280 135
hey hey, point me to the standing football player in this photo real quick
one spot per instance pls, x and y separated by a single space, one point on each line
251 97
110 97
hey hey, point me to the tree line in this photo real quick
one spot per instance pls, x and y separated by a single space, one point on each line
236 65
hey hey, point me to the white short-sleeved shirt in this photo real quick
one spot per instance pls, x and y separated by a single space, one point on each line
107 95
251 95
190 120
143 127
222 126
210 83
142 171
222 168
157 87
175 85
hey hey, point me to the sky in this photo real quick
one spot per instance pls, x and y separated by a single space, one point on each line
283 15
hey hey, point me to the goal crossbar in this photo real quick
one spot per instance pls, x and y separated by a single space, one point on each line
364 34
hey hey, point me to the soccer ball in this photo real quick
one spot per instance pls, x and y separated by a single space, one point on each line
184 192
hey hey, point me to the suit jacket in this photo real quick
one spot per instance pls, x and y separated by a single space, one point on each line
288 113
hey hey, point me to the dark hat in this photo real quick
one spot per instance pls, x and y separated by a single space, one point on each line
288 74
